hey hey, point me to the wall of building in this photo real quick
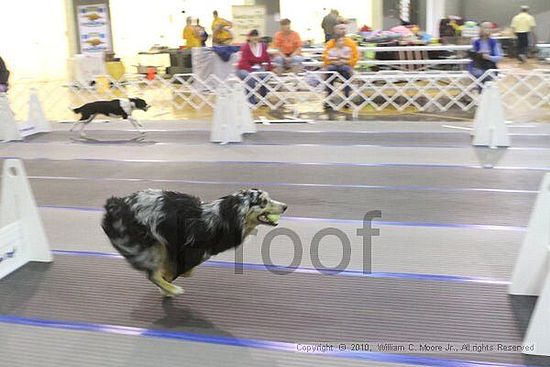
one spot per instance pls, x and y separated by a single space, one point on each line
138 28
454 7
502 12
391 14
34 39
306 16
273 15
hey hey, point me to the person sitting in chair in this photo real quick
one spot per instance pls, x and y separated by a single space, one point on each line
254 58
485 54
289 45
340 56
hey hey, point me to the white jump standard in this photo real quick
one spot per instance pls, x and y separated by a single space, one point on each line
22 235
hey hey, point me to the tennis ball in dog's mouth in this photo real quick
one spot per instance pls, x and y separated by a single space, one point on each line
273 218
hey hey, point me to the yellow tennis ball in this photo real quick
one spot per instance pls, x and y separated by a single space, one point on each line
273 217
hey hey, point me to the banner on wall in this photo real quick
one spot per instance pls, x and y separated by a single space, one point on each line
93 26
247 18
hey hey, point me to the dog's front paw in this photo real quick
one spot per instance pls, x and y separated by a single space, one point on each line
173 292
178 290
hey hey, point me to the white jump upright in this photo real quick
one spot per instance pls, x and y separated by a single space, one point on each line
244 115
490 128
8 126
22 235
531 276
11 130
36 121
225 127
232 115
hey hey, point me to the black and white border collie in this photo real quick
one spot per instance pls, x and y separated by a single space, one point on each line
167 234
115 108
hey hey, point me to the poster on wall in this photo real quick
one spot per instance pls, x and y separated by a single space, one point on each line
247 18
93 26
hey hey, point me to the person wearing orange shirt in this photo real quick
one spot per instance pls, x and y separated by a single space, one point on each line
221 35
340 56
289 46
190 34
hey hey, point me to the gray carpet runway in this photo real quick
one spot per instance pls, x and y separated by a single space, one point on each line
424 195
273 174
299 307
482 208
424 139
263 306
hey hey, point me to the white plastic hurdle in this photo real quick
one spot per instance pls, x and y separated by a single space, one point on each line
531 276
36 121
11 130
232 115
8 126
22 235
489 128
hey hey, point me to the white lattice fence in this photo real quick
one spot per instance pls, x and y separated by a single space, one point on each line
523 93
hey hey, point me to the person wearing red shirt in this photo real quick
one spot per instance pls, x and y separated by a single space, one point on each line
254 58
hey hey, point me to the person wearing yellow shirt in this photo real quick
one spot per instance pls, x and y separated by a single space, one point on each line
523 24
220 30
340 56
190 35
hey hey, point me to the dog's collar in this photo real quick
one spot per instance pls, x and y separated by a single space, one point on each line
126 105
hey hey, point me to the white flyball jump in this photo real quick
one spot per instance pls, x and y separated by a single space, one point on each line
490 128
232 116
531 276
11 130
36 121
22 235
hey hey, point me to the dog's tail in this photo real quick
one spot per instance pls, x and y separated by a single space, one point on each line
127 236
112 224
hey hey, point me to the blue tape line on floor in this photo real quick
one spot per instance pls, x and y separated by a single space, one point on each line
247 343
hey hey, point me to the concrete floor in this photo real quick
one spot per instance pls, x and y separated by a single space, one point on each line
445 214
